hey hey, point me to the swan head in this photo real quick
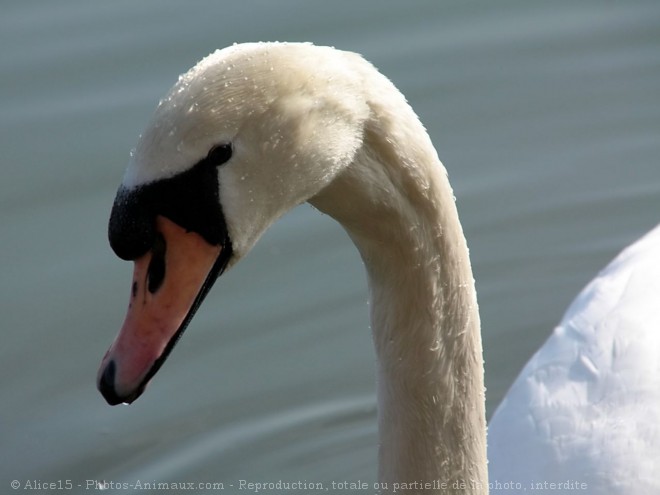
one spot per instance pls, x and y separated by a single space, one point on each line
247 134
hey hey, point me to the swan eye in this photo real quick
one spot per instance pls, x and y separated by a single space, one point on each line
219 154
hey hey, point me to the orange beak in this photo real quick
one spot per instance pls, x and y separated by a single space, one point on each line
169 283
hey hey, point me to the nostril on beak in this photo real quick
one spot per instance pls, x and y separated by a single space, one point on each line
156 270
106 384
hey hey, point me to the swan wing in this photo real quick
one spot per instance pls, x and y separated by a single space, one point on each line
586 407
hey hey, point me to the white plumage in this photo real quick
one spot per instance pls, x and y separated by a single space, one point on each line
315 124
586 407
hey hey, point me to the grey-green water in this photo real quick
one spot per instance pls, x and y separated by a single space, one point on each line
546 114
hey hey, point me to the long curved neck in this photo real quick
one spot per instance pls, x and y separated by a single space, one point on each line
397 205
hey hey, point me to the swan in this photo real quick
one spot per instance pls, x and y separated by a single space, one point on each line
256 129
586 407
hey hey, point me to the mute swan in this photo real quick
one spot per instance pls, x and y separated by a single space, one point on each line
254 130
586 407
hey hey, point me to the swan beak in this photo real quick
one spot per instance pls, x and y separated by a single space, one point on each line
169 282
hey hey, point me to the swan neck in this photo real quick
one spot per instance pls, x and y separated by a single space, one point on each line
398 207
429 366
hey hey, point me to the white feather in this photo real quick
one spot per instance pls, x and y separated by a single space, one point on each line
586 407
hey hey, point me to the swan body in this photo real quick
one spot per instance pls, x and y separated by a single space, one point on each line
254 130
586 407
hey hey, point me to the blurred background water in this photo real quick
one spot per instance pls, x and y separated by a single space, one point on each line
546 114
